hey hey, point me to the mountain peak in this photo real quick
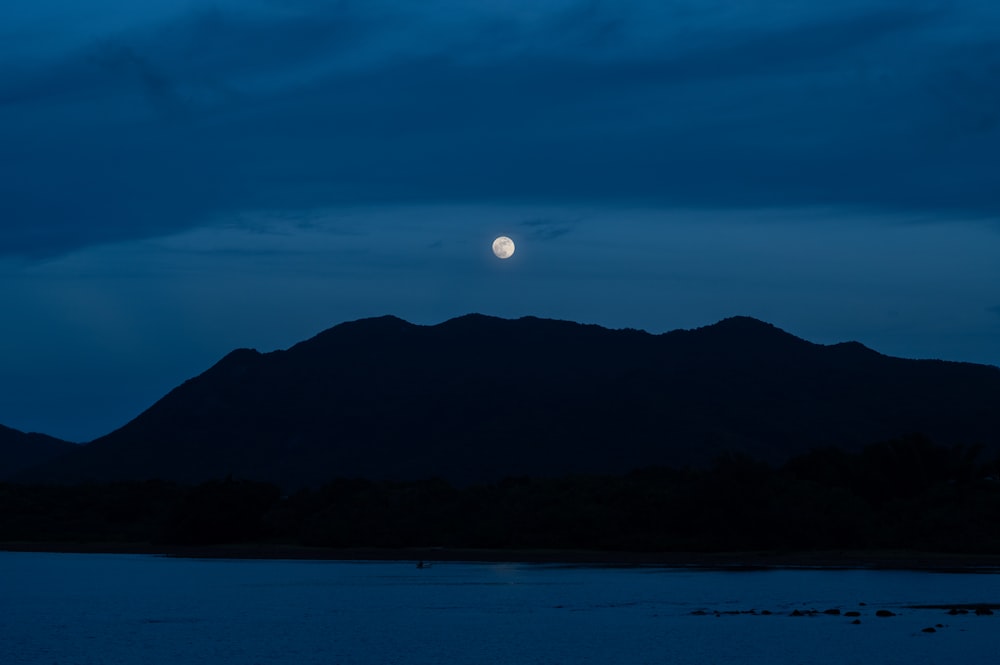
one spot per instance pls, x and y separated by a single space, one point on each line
357 332
384 322
739 333
744 324
471 321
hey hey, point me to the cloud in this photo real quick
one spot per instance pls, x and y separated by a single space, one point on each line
547 229
295 106
121 61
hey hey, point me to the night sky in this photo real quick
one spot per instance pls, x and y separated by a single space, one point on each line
182 178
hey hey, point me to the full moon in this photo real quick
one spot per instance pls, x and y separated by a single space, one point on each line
503 247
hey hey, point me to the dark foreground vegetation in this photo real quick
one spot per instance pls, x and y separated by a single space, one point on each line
904 494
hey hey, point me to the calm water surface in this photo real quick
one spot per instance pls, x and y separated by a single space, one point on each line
108 609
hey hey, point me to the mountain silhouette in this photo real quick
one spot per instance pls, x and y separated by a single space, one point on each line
479 398
19 451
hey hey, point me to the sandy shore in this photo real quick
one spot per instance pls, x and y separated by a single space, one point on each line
886 560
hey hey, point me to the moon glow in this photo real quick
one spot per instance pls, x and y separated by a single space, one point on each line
503 247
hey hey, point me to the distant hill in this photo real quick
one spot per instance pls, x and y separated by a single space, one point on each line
20 451
479 398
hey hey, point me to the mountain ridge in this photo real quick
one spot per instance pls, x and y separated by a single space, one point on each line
477 398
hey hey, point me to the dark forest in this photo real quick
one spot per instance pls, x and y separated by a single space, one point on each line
903 494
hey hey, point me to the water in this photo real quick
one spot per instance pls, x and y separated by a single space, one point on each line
110 609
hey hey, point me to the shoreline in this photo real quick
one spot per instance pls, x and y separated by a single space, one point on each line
845 559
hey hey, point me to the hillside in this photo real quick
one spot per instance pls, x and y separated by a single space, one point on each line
20 451
478 398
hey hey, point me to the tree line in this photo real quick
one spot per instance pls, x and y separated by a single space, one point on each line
903 494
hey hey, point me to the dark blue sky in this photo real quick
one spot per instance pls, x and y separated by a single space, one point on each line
180 178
